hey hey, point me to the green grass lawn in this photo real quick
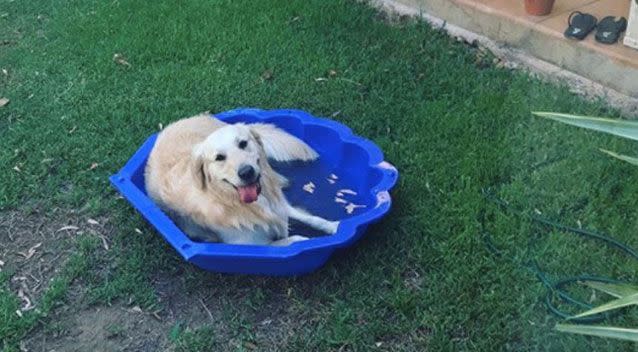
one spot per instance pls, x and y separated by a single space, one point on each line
452 123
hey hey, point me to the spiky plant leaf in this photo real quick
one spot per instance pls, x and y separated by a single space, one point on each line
615 304
626 158
621 128
616 290
601 331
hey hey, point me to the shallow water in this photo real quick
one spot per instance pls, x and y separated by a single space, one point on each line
322 201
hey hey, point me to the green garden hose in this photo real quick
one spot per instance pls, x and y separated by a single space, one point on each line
557 288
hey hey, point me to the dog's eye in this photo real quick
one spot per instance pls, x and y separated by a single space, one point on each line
220 157
243 144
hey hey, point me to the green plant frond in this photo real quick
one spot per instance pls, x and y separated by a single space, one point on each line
617 127
600 331
622 157
615 304
616 290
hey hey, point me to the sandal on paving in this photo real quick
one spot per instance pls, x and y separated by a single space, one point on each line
580 25
609 29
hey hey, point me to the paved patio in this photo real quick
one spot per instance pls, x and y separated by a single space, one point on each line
505 21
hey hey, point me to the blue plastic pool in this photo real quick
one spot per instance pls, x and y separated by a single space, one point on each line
351 162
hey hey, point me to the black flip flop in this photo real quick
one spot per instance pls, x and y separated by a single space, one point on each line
609 29
580 25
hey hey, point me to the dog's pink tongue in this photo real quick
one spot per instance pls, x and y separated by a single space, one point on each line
248 194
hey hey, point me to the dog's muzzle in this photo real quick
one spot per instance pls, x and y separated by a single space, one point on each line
251 189
247 174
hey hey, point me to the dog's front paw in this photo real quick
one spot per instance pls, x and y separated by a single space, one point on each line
332 227
289 240
296 238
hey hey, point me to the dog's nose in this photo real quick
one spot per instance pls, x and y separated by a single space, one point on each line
246 173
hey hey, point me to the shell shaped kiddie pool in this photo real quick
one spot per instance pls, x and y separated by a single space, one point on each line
346 162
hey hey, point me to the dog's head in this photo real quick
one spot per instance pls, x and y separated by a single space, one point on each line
232 157
235 157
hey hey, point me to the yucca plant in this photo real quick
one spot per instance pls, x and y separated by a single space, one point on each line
626 295
621 128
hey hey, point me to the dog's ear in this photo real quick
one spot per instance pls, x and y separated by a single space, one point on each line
255 134
198 168
280 145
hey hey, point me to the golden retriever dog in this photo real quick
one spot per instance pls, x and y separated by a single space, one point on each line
214 180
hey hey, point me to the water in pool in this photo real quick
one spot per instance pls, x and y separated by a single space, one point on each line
322 201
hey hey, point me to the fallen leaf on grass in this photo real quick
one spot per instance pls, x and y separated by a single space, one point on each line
93 166
5 72
17 169
27 301
136 309
156 315
138 230
120 60
19 313
73 129
92 222
320 79
332 73
351 81
65 228
267 75
249 345
105 243
3 102
210 315
29 253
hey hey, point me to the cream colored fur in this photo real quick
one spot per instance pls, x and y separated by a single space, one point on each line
184 178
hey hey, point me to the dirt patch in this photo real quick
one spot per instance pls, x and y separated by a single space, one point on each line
34 246
103 329
240 312
256 314
76 326
179 306
233 323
